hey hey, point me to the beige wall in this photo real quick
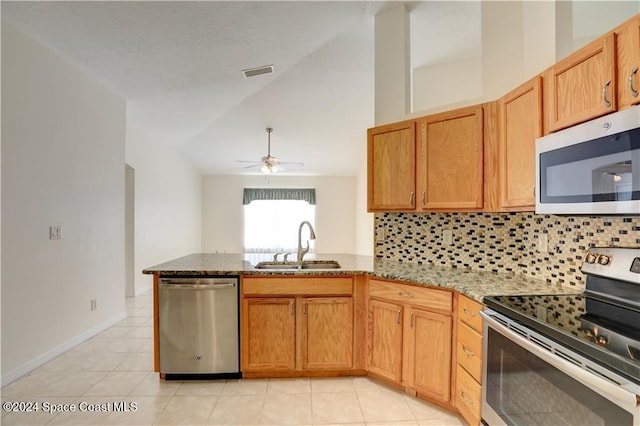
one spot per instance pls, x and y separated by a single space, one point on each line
167 204
222 210
63 138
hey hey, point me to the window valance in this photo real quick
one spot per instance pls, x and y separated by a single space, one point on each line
304 194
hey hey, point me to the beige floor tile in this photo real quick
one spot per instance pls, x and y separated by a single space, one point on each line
237 410
184 410
201 387
145 411
297 385
152 385
327 408
117 384
53 384
400 423
367 384
384 406
287 409
143 332
124 344
132 322
245 387
147 347
451 420
332 384
136 362
114 332
422 410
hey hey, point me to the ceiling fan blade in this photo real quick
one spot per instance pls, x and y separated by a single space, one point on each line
296 163
249 161
253 165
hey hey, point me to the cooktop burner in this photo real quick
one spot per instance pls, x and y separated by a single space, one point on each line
603 323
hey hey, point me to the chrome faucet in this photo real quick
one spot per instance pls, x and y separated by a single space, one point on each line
312 235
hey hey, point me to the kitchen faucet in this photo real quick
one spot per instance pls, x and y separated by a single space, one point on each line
312 235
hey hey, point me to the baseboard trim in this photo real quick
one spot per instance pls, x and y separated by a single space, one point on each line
38 361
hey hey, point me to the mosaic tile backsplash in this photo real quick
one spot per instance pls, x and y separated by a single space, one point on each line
503 242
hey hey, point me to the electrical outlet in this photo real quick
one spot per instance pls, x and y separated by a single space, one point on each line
542 243
541 313
447 237
94 304
55 233
380 235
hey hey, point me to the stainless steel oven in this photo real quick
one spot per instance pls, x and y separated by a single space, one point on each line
570 359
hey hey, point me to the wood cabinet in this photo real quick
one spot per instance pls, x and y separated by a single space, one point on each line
268 341
428 354
391 152
385 339
294 324
327 333
628 60
409 335
450 160
520 124
469 359
583 85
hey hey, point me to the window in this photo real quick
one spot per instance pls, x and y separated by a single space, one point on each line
272 218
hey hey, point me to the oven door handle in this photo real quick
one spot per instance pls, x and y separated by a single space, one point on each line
616 394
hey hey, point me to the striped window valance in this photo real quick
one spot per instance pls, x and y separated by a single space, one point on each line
304 194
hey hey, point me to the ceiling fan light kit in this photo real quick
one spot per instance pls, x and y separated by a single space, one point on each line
270 165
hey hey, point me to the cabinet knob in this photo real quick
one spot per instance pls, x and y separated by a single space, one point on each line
634 92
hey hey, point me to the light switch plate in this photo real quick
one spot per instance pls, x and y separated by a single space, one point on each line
380 234
447 237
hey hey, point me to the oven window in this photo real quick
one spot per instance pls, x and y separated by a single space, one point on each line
604 169
524 390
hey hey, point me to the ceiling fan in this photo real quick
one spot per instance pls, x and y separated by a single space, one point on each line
270 164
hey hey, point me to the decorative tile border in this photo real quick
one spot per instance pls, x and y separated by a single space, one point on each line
503 242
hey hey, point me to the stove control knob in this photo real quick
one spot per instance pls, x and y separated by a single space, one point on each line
603 259
591 258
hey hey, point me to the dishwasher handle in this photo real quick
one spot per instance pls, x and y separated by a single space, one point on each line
197 284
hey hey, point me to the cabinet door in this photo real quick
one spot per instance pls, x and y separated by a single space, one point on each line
451 160
583 85
628 58
268 341
520 125
391 167
385 339
327 333
428 350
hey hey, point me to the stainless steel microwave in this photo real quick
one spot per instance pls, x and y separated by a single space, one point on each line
591 168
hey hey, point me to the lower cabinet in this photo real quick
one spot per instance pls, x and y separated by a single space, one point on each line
287 332
409 331
468 395
269 339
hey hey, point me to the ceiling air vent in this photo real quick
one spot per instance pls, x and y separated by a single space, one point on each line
252 72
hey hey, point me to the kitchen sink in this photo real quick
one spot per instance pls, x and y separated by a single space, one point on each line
307 264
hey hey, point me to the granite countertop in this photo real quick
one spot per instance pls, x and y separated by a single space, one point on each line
474 284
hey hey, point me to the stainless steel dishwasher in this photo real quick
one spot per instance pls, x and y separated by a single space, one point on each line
199 327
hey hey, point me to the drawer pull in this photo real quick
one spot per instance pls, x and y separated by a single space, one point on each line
607 104
634 92
467 400
411 319
409 295
469 353
398 317
471 314
293 311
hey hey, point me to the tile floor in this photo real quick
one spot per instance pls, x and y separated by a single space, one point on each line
116 366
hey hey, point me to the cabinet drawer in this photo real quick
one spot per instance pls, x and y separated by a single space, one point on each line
469 313
278 286
469 352
468 396
427 298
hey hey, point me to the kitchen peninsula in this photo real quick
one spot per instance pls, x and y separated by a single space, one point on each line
409 325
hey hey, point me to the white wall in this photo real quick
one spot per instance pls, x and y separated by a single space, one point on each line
222 210
167 204
63 137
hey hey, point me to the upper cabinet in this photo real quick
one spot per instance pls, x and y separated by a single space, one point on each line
450 160
520 124
628 59
441 168
583 85
391 167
